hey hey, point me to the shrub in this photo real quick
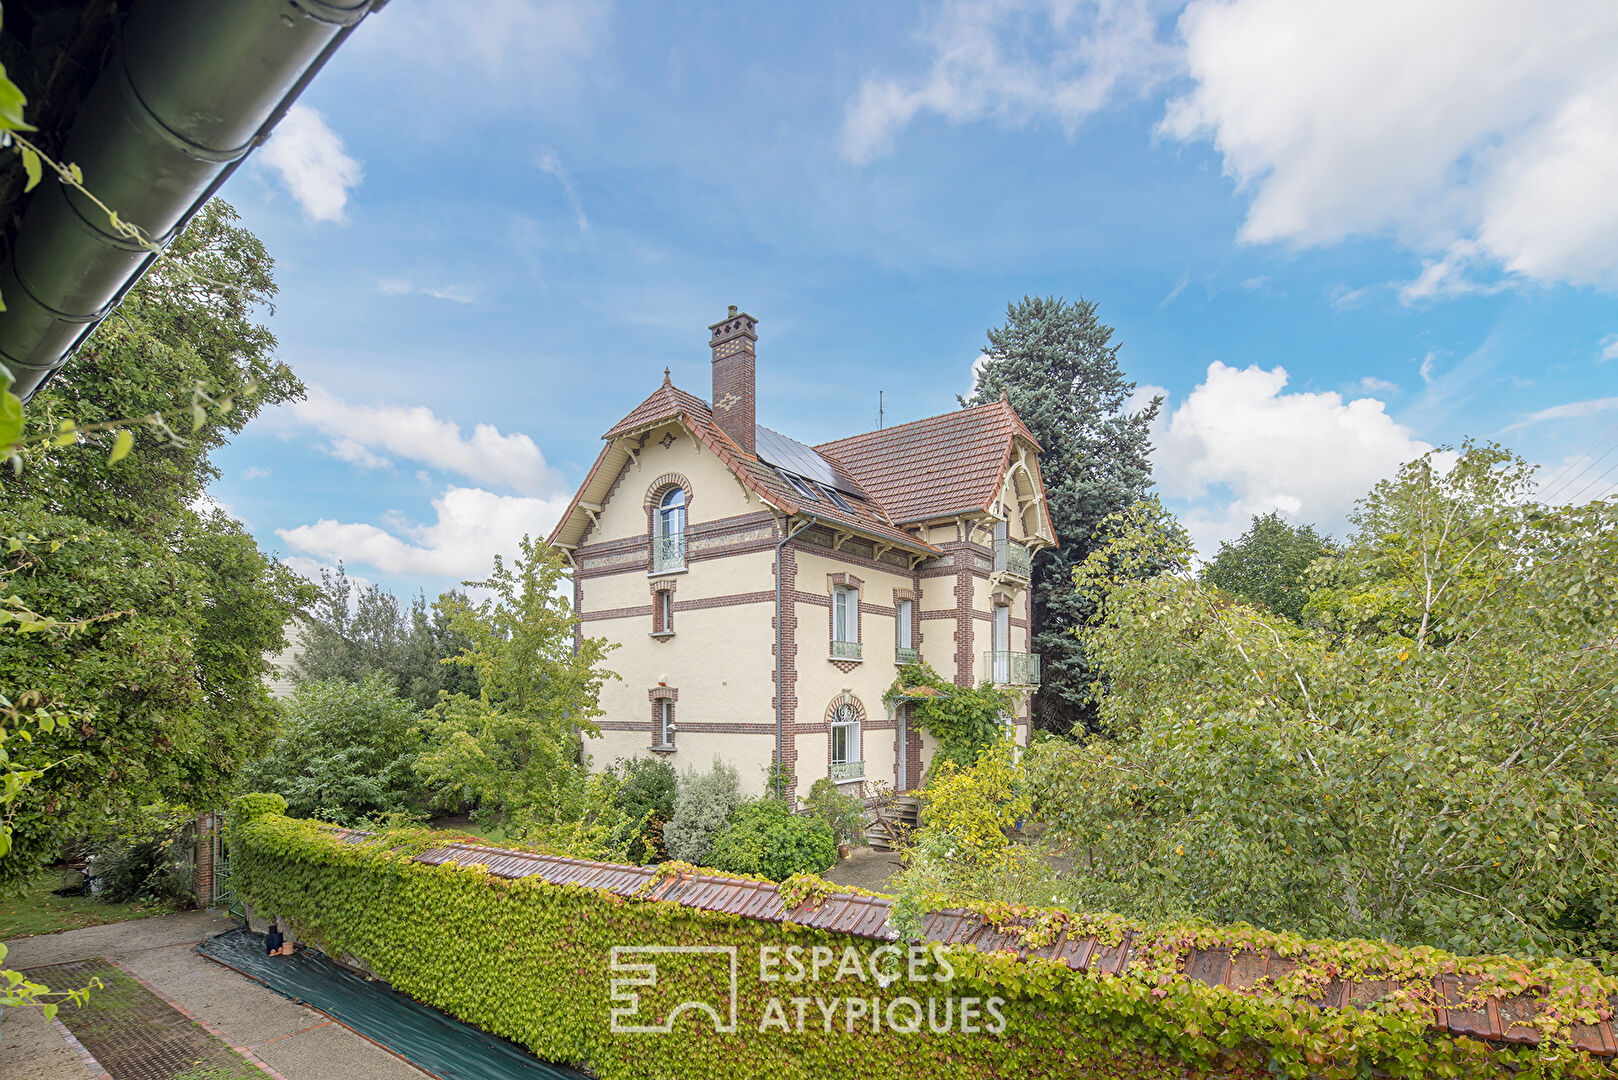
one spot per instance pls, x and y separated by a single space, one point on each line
702 806
646 796
843 813
148 856
765 839
345 754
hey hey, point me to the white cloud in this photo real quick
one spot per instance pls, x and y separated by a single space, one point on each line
1239 445
1480 131
460 294
471 527
1609 348
312 163
1373 385
1570 411
1014 61
255 472
489 50
550 163
1580 479
1254 284
417 434
355 453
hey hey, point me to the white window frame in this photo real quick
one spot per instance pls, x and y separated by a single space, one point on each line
665 611
904 620
845 720
1000 642
845 605
665 723
671 513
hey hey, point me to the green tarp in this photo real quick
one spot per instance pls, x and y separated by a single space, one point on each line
423 1036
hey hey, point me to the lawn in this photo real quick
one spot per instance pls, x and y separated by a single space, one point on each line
40 911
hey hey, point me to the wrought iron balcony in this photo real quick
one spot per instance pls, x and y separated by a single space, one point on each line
1012 559
1011 668
668 553
907 656
847 770
846 650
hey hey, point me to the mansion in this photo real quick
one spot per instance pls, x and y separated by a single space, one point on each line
763 592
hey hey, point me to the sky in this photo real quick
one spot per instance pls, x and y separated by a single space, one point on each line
1331 235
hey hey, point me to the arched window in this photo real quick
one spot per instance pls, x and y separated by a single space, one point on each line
668 546
846 763
671 513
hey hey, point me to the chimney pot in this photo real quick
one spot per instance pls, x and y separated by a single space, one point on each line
734 378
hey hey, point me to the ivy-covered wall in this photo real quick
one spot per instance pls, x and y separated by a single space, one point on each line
533 961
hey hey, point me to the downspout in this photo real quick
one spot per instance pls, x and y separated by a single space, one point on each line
192 87
780 691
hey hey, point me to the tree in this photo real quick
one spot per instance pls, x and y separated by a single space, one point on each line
354 634
1430 758
516 748
168 696
346 753
1267 565
1058 365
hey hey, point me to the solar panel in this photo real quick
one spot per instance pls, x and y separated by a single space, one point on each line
793 456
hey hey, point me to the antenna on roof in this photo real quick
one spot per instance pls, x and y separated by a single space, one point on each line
881 412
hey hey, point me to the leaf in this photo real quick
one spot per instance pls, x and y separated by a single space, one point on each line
122 445
198 415
73 170
30 164
10 418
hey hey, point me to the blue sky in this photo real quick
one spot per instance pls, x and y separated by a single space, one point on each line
1332 235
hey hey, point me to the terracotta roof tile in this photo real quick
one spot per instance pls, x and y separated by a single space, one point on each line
1502 1019
934 467
669 402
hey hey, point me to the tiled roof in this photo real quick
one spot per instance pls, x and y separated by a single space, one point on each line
935 467
669 402
1449 1000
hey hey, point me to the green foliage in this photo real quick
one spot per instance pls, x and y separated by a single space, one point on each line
148 856
843 814
965 721
1431 759
515 749
254 805
352 636
532 961
702 807
167 697
763 838
346 753
1058 366
645 795
1267 565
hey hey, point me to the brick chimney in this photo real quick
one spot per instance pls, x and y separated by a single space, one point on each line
734 383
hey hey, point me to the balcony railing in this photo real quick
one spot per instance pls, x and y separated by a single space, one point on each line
847 770
1011 558
906 656
668 553
846 650
1011 668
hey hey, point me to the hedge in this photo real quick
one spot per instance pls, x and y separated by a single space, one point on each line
531 961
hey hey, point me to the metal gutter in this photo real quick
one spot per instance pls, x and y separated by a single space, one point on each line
780 696
192 87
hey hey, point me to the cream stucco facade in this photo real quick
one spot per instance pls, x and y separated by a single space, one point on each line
695 550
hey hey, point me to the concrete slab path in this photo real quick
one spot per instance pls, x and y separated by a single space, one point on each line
297 1042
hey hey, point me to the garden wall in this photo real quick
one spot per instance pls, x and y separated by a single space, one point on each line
523 945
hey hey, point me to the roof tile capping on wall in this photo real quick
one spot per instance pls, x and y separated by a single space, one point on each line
1456 1011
